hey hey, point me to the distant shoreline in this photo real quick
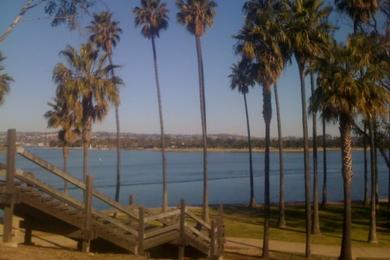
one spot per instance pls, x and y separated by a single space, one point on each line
210 150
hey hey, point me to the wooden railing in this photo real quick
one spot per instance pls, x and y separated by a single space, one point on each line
148 229
70 179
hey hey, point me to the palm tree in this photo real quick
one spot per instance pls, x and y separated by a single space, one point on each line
5 80
105 34
251 8
64 115
315 228
88 76
152 16
282 218
344 93
361 12
307 29
197 16
241 79
262 40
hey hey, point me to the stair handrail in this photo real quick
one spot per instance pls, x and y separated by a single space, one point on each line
76 182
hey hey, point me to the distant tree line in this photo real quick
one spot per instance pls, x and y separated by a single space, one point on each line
196 142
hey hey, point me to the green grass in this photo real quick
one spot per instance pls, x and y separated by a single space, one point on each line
275 255
241 221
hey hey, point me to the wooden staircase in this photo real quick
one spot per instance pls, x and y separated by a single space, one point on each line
131 228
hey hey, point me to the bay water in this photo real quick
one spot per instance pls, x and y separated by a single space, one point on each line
228 175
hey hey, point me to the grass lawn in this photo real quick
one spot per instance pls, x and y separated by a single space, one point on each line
241 221
274 255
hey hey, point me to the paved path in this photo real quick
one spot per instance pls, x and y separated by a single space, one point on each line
250 246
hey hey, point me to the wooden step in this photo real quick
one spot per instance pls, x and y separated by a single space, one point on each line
161 239
195 242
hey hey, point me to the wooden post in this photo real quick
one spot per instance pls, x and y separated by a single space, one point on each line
80 245
212 239
27 232
221 240
132 200
10 187
182 230
88 211
141 230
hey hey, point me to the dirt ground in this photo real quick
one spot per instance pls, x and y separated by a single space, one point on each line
23 252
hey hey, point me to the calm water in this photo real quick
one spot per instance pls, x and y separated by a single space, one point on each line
228 175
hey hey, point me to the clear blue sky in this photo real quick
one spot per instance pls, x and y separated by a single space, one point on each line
32 52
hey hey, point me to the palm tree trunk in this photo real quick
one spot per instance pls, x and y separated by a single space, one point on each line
118 144
388 169
118 155
325 180
282 220
65 154
267 114
305 158
163 156
204 128
252 200
86 136
365 202
372 231
376 167
315 229
345 131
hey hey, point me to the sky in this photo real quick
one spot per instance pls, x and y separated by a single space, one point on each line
32 52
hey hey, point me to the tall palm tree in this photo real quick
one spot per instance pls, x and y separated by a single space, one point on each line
361 12
88 76
263 41
282 217
197 16
307 29
5 80
241 79
252 8
315 228
152 17
63 114
105 34
344 93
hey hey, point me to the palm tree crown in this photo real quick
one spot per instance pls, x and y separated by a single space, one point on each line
263 40
307 28
104 31
241 76
351 79
64 114
196 15
152 16
88 76
5 80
